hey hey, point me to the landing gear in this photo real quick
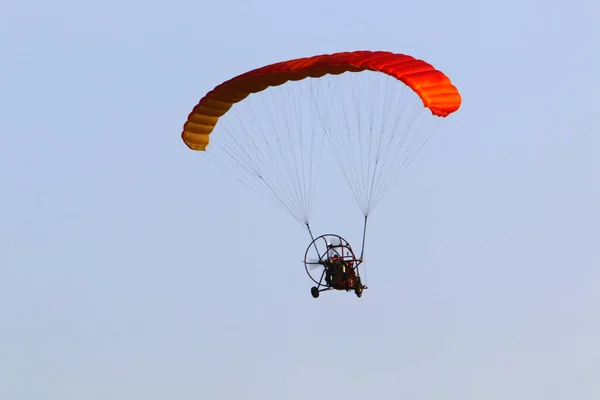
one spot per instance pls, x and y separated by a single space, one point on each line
358 288
331 263
314 291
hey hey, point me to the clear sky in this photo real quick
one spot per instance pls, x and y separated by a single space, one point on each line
132 268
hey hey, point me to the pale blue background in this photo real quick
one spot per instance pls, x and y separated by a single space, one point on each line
114 237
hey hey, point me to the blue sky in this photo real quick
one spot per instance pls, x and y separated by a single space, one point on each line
130 267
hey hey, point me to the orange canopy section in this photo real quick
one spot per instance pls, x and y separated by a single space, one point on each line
432 86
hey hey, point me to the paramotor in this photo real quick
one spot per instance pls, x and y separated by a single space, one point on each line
268 127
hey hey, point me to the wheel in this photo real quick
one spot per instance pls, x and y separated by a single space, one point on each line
314 291
358 288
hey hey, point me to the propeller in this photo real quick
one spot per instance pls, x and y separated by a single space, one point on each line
313 263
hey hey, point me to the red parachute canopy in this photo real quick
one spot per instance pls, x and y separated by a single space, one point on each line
432 86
